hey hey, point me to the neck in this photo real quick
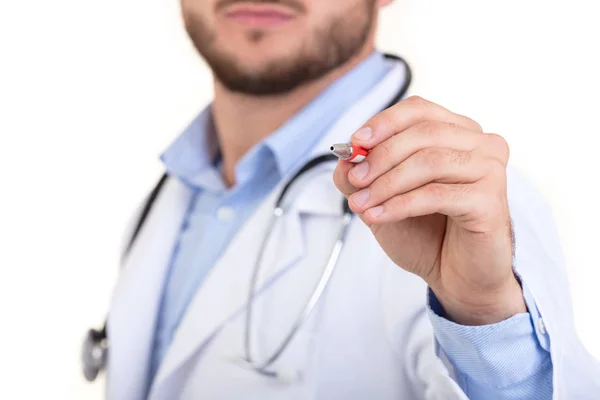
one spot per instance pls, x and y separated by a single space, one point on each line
242 121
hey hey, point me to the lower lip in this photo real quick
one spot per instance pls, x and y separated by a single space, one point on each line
259 19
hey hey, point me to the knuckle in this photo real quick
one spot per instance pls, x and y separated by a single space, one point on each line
453 126
401 205
406 201
383 121
382 188
385 150
430 128
476 125
454 192
419 107
457 193
399 171
437 191
499 146
418 102
388 182
432 159
459 158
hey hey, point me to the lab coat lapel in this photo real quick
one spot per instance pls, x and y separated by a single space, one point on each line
224 291
137 296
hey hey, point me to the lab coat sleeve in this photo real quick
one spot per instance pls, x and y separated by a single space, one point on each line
540 264
411 337
548 327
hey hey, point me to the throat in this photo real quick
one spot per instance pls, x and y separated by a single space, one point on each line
241 122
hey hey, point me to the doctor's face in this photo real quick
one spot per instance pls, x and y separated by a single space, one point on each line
263 47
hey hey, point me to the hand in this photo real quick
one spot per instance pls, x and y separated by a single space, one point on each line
433 192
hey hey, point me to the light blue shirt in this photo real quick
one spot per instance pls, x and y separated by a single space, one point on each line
217 212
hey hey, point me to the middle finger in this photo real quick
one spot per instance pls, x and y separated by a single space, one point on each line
426 166
390 153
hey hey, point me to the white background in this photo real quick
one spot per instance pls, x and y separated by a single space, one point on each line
92 91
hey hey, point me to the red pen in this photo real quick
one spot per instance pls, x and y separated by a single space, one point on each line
349 152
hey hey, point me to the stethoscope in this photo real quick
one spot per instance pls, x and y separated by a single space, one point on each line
95 347
262 367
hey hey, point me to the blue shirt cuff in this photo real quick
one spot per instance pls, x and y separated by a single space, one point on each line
496 355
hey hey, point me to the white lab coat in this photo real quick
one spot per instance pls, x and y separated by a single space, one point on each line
369 337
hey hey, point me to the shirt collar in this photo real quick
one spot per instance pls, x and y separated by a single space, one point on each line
191 157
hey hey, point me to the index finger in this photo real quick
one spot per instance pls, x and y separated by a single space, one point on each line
402 116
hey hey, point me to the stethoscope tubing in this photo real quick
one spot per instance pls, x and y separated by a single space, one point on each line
310 305
97 340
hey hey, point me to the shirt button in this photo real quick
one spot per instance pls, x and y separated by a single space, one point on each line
225 213
541 327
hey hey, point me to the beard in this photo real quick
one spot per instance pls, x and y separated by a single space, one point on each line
325 49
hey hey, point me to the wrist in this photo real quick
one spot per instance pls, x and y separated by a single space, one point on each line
474 307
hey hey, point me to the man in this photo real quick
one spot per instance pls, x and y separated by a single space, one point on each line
433 193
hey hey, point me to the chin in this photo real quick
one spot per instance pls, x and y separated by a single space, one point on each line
251 55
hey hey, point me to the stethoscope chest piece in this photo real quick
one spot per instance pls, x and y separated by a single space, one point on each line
94 354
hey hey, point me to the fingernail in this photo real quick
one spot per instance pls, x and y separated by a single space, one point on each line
361 197
376 211
364 133
360 170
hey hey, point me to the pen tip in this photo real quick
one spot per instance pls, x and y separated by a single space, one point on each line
342 150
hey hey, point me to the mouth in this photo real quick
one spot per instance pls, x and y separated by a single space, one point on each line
260 15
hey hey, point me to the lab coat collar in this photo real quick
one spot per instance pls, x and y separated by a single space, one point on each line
210 309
